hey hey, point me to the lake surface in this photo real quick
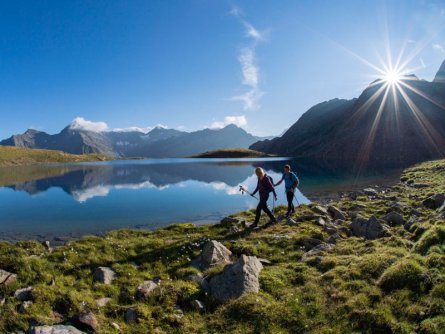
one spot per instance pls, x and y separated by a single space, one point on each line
59 202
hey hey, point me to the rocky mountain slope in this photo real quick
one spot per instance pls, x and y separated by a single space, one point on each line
158 143
370 262
388 125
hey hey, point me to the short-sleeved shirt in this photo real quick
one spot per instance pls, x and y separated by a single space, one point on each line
289 180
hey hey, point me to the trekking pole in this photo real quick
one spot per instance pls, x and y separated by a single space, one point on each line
244 190
298 203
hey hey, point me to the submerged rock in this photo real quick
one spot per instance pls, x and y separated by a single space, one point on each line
104 275
367 228
57 329
236 279
6 277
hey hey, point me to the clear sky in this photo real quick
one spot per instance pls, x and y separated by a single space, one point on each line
190 64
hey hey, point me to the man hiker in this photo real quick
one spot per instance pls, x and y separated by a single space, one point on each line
264 186
290 183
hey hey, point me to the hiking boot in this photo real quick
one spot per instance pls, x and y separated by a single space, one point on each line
287 214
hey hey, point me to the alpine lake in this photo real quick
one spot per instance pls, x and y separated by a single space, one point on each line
65 201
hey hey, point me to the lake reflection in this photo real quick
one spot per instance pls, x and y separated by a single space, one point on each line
73 200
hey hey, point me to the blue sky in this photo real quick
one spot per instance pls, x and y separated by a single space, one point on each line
194 64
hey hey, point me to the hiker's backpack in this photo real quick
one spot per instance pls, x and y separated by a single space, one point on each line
271 181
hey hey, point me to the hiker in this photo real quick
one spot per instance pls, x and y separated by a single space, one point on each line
264 186
290 183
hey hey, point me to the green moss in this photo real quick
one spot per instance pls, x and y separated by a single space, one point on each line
434 236
405 273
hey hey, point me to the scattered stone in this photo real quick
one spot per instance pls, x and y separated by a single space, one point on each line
7 277
330 228
198 305
336 213
320 221
305 218
104 275
410 222
442 212
320 210
234 230
229 221
57 329
394 218
246 224
333 238
370 192
310 243
434 202
316 250
146 289
215 253
115 326
131 315
102 302
24 306
197 278
367 228
88 319
236 279
23 294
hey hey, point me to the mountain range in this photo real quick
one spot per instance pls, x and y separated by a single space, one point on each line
390 124
160 142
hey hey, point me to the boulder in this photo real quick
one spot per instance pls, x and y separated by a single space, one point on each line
291 222
7 277
330 228
370 192
369 229
23 294
316 250
318 209
215 253
336 213
104 275
394 218
434 202
320 221
146 289
88 319
57 329
236 279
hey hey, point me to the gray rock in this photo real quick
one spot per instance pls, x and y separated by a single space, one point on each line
102 302
104 275
236 279
57 329
330 228
310 243
333 238
215 253
410 222
197 278
87 318
320 210
24 306
316 250
320 221
146 289
394 218
291 222
265 261
336 213
367 228
131 315
228 221
115 326
370 192
6 277
23 294
434 202
234 230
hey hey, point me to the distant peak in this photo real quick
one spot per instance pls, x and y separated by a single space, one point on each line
440 75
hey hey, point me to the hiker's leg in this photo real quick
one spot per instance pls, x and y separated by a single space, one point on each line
290 197
258 213
266 208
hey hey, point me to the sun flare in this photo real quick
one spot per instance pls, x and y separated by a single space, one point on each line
392 77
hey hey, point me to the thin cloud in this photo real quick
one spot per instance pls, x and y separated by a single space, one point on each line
80 123
422 62
239 121
249 69
438 47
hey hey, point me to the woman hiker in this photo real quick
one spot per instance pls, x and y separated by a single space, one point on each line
264 187
290 183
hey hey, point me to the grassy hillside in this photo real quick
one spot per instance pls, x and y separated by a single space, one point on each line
13 156
393 284
232 153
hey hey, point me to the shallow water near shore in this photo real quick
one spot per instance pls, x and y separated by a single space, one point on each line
61 202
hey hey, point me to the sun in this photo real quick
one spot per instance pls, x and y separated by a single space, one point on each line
392 77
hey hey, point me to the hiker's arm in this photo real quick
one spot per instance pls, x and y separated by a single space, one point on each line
271 186
279 182
256 189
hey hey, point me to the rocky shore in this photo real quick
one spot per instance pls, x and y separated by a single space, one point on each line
370 261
